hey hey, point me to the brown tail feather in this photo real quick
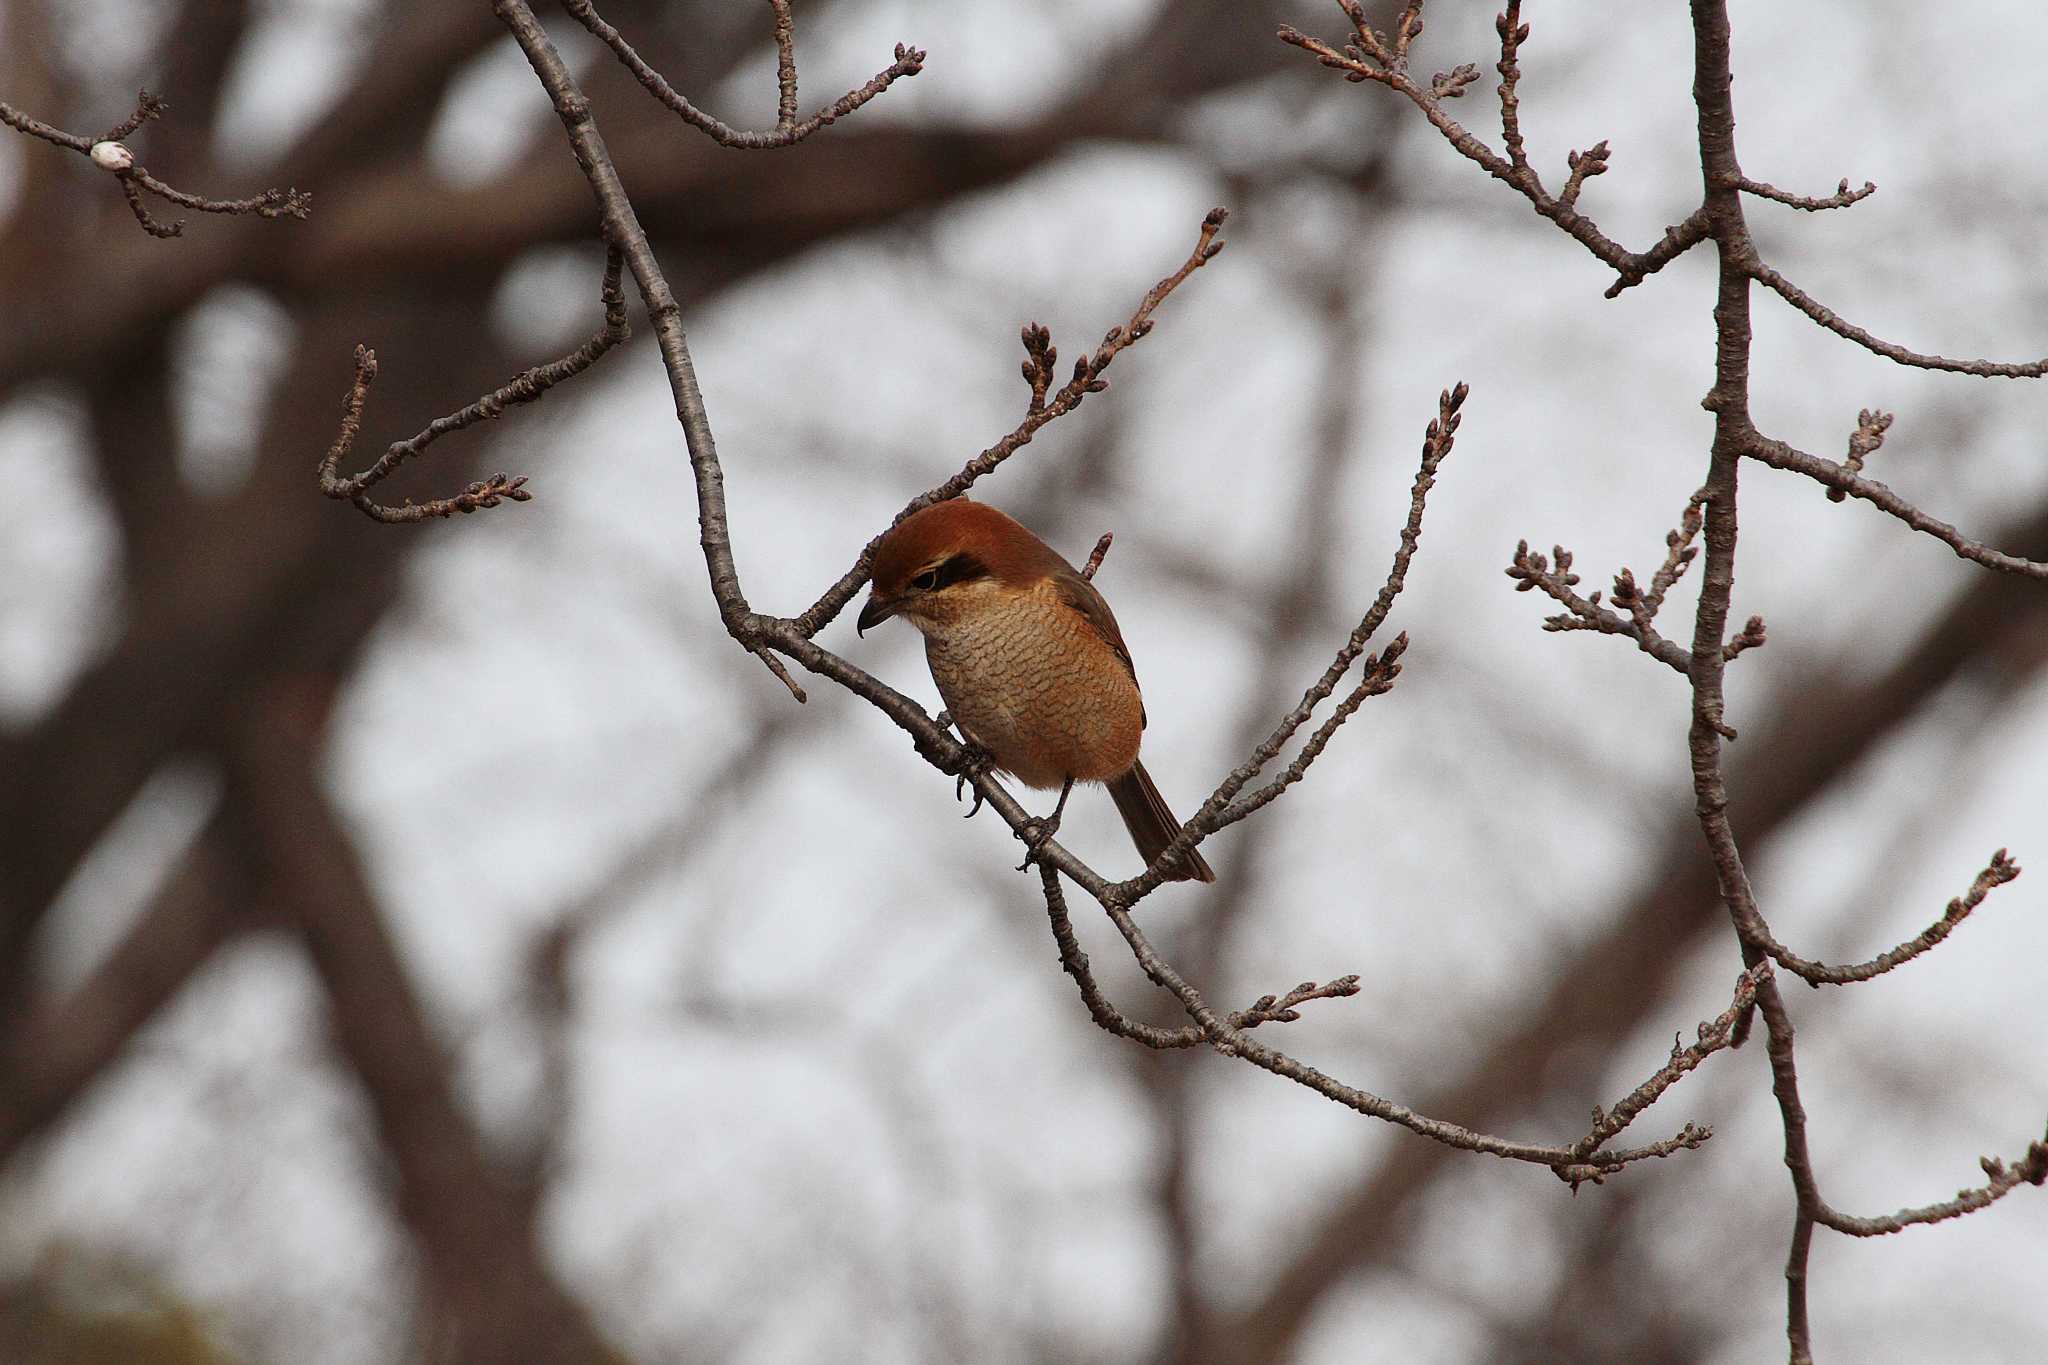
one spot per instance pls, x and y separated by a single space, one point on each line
1152 825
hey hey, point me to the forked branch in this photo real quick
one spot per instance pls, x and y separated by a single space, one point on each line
1376 677
1840 477
1368 56
527 387
110 152
1711 517
788 130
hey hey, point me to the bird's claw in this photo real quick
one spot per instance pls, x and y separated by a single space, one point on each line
1036 836
978 762
1038 833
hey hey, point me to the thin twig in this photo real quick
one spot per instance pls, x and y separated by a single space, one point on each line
1359 61
1711 1037
1267 1009
1583 166
785 67
1864 442
2000 870
909 61
1840 199
1842 327
2002 1180
526 387
1679 553
1095 557
1512 34
1552 576
1039 357
1216 812
1836 476
1376 679
112 154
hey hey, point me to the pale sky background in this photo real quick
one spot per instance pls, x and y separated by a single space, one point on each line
827 1061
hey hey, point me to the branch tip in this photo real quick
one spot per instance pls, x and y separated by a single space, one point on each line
525 387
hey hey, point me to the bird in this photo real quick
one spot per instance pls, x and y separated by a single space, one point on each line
1029 660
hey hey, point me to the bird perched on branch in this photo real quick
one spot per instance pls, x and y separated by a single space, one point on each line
1028 659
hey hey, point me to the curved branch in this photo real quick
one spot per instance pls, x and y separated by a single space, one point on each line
2003 1180
2000 870
1842 327
788 132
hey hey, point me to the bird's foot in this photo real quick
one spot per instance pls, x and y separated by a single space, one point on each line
1038 833
979 761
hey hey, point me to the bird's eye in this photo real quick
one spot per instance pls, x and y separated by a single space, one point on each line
926 581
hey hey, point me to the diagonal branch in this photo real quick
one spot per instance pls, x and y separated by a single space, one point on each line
1040 356
1842 327
1376 677
1840 478
1712 1037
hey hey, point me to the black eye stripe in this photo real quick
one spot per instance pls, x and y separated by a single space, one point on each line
960 568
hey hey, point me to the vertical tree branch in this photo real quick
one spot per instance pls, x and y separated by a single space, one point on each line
622 228
1728 400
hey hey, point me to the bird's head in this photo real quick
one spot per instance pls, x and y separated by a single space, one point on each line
949 559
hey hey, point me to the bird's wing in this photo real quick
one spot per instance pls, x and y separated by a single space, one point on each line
1078 593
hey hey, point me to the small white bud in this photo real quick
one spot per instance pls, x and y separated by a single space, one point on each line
112 156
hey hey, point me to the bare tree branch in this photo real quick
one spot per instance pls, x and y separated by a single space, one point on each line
1368 57
1838 477
1840 199
1876 345
788 131
527 387
2000 870
1040 357
111 153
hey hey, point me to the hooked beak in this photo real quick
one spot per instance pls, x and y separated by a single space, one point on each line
877 610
